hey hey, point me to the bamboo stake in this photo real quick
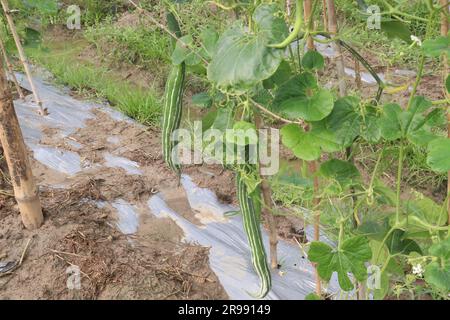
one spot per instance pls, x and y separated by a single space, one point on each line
444 32
23 60
11 70
314 164
339 59
307 7
15 153
267 206
325 15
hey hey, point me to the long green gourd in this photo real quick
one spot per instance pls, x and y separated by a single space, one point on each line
173 101
253 230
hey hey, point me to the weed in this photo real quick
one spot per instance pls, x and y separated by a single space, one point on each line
98 82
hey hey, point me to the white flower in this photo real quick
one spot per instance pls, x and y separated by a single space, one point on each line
417 270
416 40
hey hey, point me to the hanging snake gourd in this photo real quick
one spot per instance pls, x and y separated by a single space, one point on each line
173 102
252 228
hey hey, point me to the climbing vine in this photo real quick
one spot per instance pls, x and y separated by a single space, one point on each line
253 67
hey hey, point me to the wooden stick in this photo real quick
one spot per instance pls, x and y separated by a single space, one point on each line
314 164
11 70
22 56
339 60
444 32
267 206
307 7
15 153
325 15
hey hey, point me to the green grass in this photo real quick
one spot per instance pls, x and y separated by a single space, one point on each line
97 82
136 45
392 52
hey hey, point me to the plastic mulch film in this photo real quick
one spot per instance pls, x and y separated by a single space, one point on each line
230 256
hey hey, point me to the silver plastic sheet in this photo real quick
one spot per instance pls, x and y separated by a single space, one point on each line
230 256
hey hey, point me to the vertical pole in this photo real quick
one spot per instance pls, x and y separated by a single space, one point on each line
444 32
15 153
307 7
313 165
340 67
325 15
22 56
267 207
11 70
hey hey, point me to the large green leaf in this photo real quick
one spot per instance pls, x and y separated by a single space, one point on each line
397 244
350 257
343 172
413 124
282 75
349 120
313 60
373 229
390 122
344 121
427 211
242 58
302 98
183 52
308 145
437 273
202 100
436 47
439 155
396 29
209 38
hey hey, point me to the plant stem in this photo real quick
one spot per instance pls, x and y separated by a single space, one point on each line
417 82
399 181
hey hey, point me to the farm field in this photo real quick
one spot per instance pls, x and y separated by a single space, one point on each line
224 150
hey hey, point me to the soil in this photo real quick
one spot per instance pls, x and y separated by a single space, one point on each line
152 264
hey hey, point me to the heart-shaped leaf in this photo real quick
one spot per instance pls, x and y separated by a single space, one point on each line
183 52
397 244
344 121
202 100
396 29
439 155
282 75
343 172
437 273
350 257
209 38
390 122
308 145
426 210
302 98
413 124
242 59
436 47
313 60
